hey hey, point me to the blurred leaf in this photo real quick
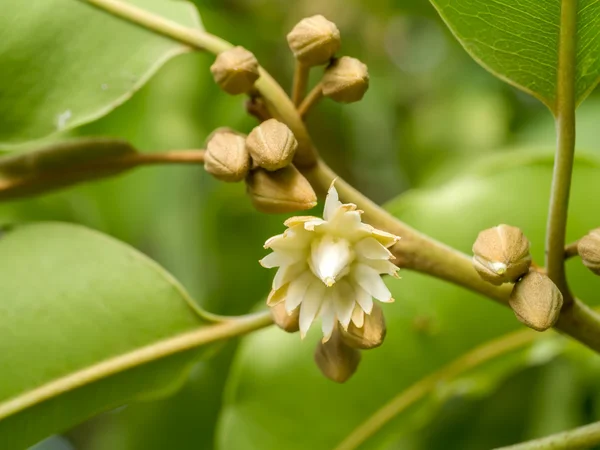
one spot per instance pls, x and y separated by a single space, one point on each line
59 165
65 63
275 393
184 421
72 298
518 41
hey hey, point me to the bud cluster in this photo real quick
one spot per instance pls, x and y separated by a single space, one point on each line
264 160
501 255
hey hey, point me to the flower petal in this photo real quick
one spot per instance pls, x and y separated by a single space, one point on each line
287 273
299 220
310 305
383 267
332 203
368 279
327 315
371 248
297 290
311 224
363 298
343 299
277 296
386 239
276 259
358 317
330 258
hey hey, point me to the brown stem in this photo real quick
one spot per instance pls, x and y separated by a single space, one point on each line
571 249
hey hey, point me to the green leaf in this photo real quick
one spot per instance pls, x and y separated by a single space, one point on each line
518 41
71 299
65 63
61 164
276 394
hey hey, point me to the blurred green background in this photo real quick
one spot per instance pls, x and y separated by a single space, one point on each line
430 112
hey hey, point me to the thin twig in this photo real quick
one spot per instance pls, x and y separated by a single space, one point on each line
313 97
571 249
479 355
577 439
143 355
563 162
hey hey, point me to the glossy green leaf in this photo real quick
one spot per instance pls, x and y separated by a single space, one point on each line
61 164
276 395
65 63
72 298
517 40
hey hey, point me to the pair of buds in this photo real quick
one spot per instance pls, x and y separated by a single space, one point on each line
338 358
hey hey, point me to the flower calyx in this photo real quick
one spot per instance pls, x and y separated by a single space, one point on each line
235 70
283 191
589 250
314 40
226 156
271 145
345 80
501 254
536 301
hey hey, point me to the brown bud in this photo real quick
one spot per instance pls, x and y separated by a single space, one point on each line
337 361
272 145
314 40
536 301
235 70
346 80
501 254
370 335
283 191
287 322
226 156
589 250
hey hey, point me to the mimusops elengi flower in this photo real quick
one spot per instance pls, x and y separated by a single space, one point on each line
330 268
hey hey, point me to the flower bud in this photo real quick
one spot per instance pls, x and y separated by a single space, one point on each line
346 80
370 335
337 361
235 70
272 145
283 191
536 301
226 156
287 322
314 40
501 254
589 250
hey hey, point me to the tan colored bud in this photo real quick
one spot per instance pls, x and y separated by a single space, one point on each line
226 156
346 80
501 254
337 361
314 40
536 301
235 70
370 335
287 322
283 191
272 145
589 250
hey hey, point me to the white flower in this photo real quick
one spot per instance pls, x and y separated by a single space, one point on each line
330 268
